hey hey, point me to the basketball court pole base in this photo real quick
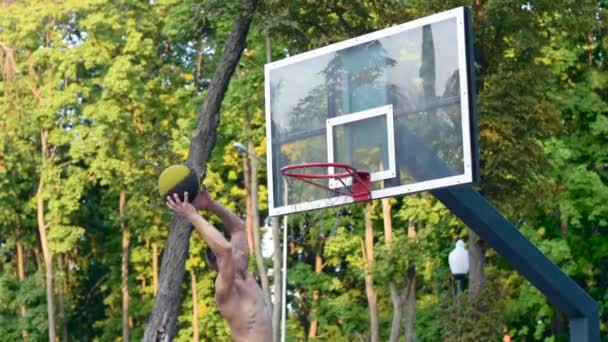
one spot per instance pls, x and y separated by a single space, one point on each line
481 217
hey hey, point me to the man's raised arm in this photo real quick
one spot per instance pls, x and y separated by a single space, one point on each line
214 239
233 223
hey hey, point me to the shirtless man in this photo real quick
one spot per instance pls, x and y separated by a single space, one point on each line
239 298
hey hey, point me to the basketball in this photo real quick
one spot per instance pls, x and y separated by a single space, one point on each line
177 179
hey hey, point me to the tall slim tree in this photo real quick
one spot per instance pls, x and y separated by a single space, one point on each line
162 322
409 294
399 297
124 263
44 242
21 273
195 314
257 243
316 294
277 267
368 256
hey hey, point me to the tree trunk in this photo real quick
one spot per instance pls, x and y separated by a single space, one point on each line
563 225
314 325
248 208
46 253
370 291
155 267
195 332
268 47
204 135
37 256
21 274
142 276
255 218
396 299
388 221
124 265
477 274
278 280
50 300
247 175
276 239
397 302
410 304
409 295
162 324
61 299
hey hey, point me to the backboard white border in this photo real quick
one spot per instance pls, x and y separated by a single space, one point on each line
389 172
457 13
466 177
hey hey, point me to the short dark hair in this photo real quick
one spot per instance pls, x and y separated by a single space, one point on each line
211 259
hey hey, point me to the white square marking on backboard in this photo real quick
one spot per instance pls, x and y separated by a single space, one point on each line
387 110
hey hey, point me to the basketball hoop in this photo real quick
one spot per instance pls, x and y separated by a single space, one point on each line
360 190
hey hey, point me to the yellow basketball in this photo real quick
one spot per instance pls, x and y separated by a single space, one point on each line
177 179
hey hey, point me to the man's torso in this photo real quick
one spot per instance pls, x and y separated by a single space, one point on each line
245 311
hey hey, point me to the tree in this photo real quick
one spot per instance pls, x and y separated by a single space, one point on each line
48 95
162 323
367 248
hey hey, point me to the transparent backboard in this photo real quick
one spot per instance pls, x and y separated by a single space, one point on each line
397 103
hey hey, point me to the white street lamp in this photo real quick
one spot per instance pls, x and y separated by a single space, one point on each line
459 266
242 149
459 260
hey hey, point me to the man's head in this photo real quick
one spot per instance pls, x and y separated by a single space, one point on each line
211 259
177 179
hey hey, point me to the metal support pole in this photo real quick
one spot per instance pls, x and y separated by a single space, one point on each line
458 294
284 314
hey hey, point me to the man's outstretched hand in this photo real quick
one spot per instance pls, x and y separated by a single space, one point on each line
183 208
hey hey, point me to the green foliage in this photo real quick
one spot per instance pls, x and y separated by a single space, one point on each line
14 294
476 320
430 308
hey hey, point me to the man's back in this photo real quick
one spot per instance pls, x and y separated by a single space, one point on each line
245 311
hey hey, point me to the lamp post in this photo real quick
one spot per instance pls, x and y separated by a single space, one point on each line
245 151
254 214
279 286
242 150
459 266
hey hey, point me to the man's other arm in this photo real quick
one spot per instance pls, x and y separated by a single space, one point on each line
238 233
223 251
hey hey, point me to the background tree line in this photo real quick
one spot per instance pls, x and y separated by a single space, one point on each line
97 97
